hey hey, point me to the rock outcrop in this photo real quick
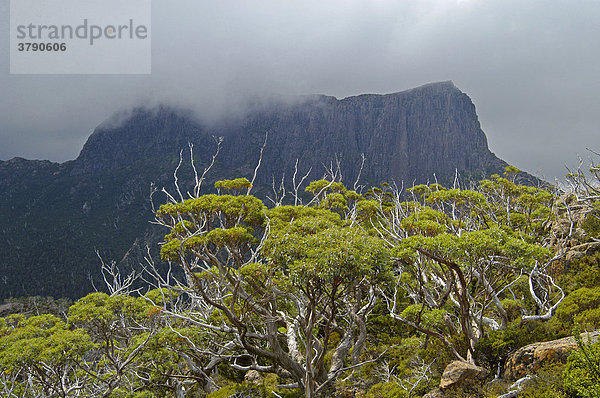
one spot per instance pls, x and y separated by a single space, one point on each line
435 393
570 226
459 373
253 376
527 360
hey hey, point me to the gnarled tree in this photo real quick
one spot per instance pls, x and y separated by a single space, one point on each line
281 288
462 252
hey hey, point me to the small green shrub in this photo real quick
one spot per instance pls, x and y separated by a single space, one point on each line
583 272
591 225
387 390
580 308
582 374
547 383
235 390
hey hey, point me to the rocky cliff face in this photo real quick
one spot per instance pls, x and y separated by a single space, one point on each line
54 216
404 136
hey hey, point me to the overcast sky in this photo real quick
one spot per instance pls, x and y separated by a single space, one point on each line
532 68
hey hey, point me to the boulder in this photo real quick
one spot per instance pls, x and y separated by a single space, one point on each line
435 393
459 373
253 376
527 360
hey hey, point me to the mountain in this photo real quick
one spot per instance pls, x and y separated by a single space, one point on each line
53 217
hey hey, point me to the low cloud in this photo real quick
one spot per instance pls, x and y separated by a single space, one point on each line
530 68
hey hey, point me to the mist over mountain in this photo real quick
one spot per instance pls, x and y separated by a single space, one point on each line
404 136
53 217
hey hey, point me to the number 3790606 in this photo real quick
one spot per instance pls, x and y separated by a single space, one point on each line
42 46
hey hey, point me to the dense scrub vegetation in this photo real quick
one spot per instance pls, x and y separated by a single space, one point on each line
350 293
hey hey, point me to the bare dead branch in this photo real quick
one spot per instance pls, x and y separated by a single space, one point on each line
262 148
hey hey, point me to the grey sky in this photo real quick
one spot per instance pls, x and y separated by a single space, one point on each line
532 68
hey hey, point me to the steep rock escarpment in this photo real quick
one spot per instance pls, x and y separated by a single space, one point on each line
404 136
